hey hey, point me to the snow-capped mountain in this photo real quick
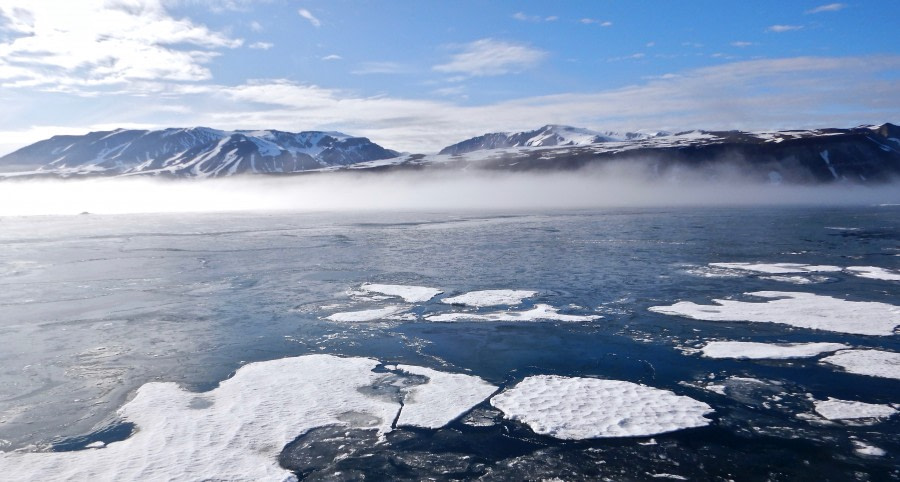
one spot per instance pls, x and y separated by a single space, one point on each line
192 152
547 136
861 154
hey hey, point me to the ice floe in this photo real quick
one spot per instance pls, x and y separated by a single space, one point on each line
583 408
803 310
446 397
760 351
778 268
874 272
237 430
490 298
539 312
410 294
874 363
797 280
366 315
834 409
862 448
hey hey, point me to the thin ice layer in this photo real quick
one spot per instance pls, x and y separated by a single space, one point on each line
760 351
873 363
246 421
778 268
446 397
804 310
410 294
490 298
366 315
539 312
874 272
583 408
835 409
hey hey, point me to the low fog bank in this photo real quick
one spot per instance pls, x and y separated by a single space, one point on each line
434 190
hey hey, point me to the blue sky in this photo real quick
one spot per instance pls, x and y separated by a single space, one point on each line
418 75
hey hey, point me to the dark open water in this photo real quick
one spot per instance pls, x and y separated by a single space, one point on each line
95 306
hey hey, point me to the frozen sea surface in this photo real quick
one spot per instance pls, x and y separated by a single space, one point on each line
113 324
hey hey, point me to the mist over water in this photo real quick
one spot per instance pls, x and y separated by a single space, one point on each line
433 190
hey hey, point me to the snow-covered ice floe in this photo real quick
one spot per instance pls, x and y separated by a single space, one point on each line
367 315
410 294
797 280
834 409
445 398
874 272
874 363
767 351
236 431
584 408
778 268
803 310
490 298
539 312
862 448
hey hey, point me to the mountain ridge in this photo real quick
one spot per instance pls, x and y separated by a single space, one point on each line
193 151
862 154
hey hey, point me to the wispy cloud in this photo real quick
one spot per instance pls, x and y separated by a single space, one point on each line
54 49
256 26
783 28
758 94
261 45
332 57
523 17
798 92
488 57
367 68
831 7
594 21
309 16
742 44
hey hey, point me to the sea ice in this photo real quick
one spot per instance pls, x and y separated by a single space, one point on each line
444 398
237 430
874 363
539 312
797 280
366 315
834 409
778 268
246 421
874 272
582 408
490 298
410 294
804 310
862 448
759 351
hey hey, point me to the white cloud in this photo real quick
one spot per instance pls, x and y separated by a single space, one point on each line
261 45
523 17
831 7
741 44
487 57
602 23
309 16
783 28
68 45
798 92
256 26
332 57
367 68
